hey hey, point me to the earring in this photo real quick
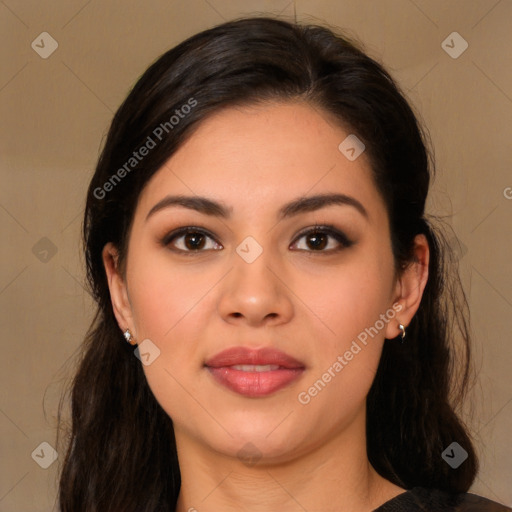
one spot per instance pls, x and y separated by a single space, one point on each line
402 328
128 337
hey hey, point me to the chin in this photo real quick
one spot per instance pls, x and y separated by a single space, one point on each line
253 442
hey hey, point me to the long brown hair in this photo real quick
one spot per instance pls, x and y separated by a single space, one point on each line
121 452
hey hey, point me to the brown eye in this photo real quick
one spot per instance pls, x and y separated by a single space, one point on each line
317 239
192 240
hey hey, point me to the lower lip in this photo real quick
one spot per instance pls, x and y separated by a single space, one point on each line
255 384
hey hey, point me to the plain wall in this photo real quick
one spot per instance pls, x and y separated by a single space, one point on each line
55 113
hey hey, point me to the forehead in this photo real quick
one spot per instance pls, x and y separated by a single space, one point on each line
258 157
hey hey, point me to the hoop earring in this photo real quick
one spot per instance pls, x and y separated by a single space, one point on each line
129 338
402 328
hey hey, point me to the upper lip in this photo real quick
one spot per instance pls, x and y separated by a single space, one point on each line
244 355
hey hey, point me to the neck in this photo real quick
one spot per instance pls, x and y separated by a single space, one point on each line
336 476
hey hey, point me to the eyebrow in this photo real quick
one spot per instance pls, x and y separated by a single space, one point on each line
300 205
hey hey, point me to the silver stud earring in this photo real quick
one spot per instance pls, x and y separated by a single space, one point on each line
128 337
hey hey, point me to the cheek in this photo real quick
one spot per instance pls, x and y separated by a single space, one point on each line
350 298
168 308
163 297
351 306
345 369
155 309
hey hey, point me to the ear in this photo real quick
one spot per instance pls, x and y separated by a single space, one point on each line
409 287
118 291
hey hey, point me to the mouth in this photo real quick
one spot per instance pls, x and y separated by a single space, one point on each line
254 373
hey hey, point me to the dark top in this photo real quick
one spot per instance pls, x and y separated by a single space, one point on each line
431 500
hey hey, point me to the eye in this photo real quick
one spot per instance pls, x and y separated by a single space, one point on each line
193 240
319 239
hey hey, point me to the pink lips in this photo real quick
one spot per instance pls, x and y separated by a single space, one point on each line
254 373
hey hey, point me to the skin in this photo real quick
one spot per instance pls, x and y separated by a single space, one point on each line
308 303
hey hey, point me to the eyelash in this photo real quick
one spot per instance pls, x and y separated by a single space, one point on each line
326 229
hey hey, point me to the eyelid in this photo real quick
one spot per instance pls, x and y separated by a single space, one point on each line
328 229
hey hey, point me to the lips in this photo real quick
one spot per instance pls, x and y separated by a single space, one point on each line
246 356
254 373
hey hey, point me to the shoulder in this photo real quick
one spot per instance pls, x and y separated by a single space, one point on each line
420 499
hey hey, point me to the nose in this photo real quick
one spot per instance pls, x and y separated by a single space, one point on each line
256 294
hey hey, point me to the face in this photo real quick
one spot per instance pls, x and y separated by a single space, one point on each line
263 276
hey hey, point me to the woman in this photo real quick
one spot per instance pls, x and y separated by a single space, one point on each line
255 228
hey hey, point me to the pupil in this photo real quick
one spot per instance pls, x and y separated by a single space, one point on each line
319 243
191 241
193 237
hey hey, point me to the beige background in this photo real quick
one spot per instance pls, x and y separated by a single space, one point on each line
55 113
